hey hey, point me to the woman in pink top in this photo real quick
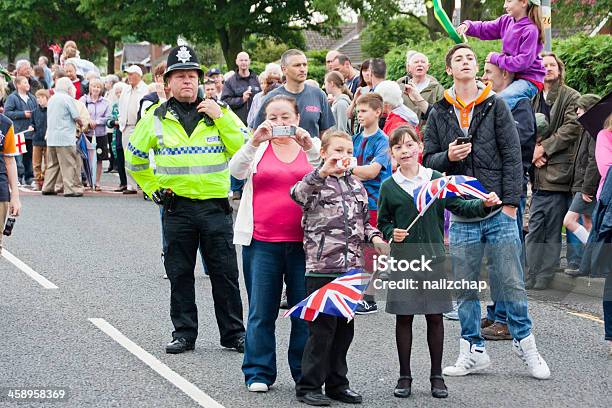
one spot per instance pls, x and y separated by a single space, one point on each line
603 152
268 225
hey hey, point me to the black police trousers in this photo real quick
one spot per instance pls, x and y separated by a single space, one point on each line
207 224
324 358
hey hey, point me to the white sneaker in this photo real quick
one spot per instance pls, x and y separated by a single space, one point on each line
528 352
257 387
471 358
453 314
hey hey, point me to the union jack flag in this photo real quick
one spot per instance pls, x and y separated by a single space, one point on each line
465 185
425 195
444 187
337 298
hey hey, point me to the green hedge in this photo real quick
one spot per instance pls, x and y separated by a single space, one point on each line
587 60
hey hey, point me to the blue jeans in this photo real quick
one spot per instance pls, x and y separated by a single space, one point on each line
518 89
575 248
265 266
497 238
607 307
497 311
235 184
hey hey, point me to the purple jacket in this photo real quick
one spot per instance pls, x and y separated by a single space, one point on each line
100 111
520 45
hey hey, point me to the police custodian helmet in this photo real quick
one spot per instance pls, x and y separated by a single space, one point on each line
181 58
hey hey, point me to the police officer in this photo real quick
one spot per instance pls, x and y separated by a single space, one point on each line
193 140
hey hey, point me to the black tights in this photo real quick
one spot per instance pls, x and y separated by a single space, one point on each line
435 341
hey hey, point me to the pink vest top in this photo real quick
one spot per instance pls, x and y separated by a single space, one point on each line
276 217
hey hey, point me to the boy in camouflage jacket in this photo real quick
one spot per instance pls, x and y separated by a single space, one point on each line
336 225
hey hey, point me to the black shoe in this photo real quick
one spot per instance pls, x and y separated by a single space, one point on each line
73 195
315 399
542 283
529 282
128 191
48 193
347 396
438 392
120 189
238 345
108 170
179 345
364 307
403 392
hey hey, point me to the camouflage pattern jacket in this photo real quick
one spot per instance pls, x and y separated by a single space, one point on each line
335 221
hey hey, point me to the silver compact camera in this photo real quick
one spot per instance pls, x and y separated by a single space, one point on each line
283 131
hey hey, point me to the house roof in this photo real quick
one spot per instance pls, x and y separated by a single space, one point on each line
347 42
136 53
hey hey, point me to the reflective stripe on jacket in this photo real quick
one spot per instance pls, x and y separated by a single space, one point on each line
193 166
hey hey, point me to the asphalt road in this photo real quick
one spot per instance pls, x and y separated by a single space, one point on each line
102 252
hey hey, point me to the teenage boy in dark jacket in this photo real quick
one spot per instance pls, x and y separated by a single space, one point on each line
493 155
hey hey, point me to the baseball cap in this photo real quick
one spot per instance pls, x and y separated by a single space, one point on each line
213 71
134 69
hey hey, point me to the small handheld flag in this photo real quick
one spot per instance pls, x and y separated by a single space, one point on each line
445 187
20 142
337 298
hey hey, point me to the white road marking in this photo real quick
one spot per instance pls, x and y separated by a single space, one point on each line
181 383
44 282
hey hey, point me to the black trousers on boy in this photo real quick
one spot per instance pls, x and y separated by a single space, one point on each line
324 359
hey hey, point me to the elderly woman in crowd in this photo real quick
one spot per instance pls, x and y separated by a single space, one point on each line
116 139
63 159
269 79
100 111
393 106
109 82
268 225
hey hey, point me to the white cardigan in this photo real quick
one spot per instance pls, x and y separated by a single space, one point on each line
242 166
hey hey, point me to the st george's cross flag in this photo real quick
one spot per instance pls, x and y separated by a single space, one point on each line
20 143
445 187
337 298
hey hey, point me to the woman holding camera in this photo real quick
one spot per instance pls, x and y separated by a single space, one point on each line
268 225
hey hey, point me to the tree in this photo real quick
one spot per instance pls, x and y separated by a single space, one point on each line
568 14
35 24
377 39
228 21
381 11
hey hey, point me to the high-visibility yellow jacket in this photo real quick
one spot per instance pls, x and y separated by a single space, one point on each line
193 166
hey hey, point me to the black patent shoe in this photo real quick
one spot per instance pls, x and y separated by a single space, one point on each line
438 392
346 395
237 345
403 392
179 345
316 399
